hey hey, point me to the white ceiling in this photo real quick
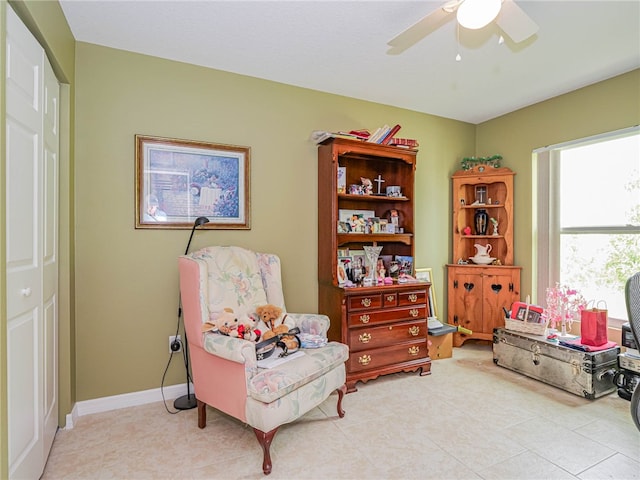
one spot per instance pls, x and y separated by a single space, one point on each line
340 47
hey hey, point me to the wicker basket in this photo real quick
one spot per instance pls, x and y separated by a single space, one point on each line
525 327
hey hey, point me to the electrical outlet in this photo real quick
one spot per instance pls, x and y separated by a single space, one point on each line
175 344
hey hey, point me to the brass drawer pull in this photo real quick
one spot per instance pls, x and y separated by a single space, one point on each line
390 298
366 302
414 330
364 337
364 360
414 350
365 318
413 298
414 312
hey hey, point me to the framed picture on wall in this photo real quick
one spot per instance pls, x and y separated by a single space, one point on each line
178 181
426 275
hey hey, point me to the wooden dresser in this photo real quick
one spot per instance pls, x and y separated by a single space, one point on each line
386 330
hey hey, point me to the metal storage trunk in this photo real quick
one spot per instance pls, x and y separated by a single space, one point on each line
588 375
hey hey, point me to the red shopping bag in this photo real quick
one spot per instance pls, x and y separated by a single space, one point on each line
593 326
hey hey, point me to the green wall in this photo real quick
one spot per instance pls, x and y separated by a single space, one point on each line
126 279
599 108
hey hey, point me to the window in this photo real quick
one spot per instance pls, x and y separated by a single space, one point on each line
589 217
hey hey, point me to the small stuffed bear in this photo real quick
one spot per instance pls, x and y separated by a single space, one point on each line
275 322
225 322
272 318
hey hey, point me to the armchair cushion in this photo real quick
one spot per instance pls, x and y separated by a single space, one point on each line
271 384
233 278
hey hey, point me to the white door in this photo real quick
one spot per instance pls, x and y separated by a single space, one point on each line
32 272
50 195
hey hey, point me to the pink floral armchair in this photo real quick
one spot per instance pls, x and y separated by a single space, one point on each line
226 374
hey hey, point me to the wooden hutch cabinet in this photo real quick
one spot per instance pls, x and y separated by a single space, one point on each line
385 326
477 293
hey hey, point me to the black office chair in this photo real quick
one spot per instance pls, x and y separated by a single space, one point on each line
632 297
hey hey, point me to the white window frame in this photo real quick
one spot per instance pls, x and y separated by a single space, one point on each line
547 231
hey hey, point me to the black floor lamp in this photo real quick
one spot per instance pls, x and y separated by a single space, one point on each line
187 401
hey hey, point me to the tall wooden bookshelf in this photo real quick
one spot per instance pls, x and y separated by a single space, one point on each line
385 326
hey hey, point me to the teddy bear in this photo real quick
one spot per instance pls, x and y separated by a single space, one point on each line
272 317
225 322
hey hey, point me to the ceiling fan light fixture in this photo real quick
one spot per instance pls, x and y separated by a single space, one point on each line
475 14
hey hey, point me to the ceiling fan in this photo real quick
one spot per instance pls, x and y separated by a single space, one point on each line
472 14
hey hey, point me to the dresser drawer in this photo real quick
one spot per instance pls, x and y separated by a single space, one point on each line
412 298
380 357
390 299
385 335
365 302
387 315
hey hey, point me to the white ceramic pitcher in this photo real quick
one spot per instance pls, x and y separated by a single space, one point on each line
482 250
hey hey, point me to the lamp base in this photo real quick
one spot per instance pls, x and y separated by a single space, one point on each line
185 402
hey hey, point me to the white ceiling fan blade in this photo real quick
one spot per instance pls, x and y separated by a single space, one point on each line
420 29
515 22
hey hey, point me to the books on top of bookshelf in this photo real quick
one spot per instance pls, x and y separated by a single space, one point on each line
384 135
404 142
391 134
380 133
319 136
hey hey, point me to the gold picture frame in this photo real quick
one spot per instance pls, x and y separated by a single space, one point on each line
426 275
178 181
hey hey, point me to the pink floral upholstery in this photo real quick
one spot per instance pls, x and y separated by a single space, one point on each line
225 371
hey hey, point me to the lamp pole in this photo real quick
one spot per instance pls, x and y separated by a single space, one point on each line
188 401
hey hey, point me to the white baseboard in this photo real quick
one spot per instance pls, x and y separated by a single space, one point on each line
115 402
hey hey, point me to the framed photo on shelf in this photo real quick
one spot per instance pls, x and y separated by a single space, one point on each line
426 275
356 220
358 260
344 269
386 262
342 179
405 263
178 181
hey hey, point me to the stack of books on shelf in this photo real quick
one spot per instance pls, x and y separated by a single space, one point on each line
319 136
404 142
384 135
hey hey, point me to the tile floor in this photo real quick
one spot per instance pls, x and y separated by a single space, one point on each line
469 420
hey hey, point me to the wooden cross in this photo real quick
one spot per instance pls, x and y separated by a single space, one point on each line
380 181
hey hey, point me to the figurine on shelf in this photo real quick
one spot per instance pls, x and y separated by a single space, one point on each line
367 186
466 230
381 271
494 222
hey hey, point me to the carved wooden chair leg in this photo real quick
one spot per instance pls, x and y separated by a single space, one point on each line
202 413
341 392
265 442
